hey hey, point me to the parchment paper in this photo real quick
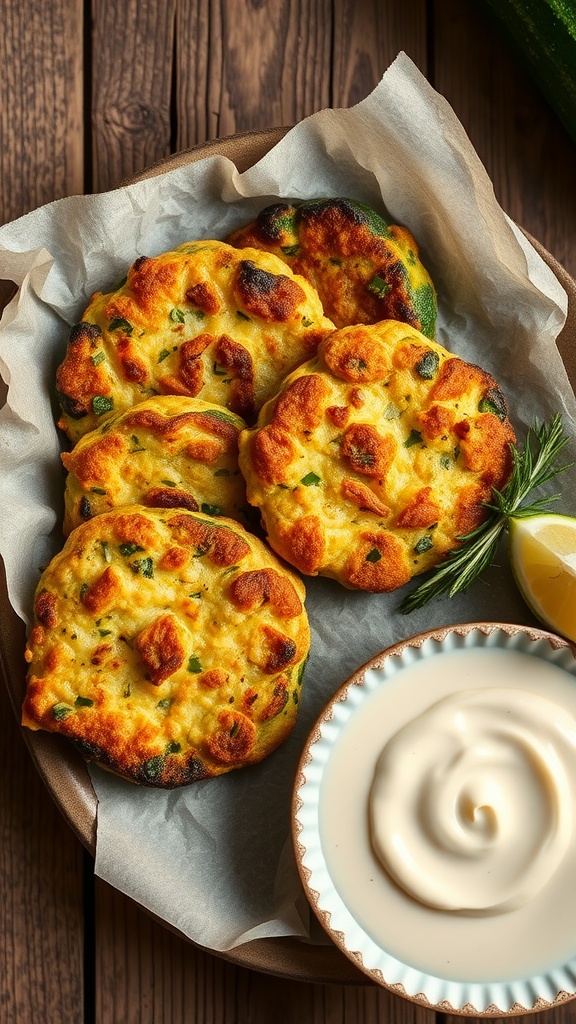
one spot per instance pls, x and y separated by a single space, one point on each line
215 859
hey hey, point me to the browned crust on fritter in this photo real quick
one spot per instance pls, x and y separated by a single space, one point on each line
377 456
205 320
250 590
300 406
236 358
388 571
161 648
420 511
273 650
94 463
269 296
170 497
101 595
204 297
77 378
178 660
272 454
45 608
353 357
362 496
233 739
167 452
367 451
336 251
302 543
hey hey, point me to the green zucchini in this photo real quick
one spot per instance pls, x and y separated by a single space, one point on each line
544 35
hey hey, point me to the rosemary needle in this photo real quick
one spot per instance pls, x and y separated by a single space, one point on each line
532 467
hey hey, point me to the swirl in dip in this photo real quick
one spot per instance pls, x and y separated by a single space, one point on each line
470 808
447 813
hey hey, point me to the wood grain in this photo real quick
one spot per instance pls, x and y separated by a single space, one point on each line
261 64
366 42
41 930
145 974
41 104
132 62
526 150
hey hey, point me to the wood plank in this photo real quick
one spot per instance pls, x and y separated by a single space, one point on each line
366 43
132 64
257 65
324 60
41 104
41 933
275 999
565 1013
144 974
527 152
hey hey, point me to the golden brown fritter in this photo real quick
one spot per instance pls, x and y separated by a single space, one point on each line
365 270
166 452
206 320
376 456
168 645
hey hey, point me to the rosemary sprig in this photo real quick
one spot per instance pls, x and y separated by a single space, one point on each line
532 467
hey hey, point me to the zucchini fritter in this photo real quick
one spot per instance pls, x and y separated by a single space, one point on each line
170 646
165 452
376 456
365 270
206 320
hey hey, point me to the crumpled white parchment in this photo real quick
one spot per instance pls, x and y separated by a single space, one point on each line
215 859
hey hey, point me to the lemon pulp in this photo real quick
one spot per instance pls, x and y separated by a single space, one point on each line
543 558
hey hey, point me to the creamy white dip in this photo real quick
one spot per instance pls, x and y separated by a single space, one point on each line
447 814
471 808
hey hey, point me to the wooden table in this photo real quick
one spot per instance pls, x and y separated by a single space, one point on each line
90 93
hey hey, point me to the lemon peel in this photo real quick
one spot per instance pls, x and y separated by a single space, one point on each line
543 559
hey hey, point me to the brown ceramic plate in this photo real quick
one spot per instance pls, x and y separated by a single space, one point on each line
63 770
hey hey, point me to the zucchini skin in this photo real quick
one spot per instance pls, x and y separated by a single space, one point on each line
543 33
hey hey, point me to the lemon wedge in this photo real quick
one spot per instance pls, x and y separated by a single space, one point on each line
543 558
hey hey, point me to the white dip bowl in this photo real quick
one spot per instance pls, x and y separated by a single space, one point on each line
486 955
